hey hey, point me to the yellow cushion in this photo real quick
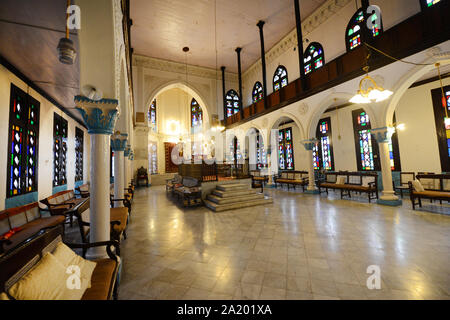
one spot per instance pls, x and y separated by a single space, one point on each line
67 257
4 296
47 280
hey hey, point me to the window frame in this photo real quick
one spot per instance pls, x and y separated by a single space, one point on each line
357 129
26 126
319 145
280 68
283 143
307 54
362 25
257 92
233 95
60 138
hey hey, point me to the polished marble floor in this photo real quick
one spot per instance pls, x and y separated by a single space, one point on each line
300 247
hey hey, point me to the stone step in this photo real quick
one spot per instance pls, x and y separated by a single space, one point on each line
232 187
241 198
224 207
230 194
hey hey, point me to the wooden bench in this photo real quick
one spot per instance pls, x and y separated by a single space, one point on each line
23 222
258 179
61 202
437 187
17 263
118 220
189 193
83 190
351 182
292 178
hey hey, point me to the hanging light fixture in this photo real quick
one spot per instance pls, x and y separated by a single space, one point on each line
216 126
373 91
444 100
66 49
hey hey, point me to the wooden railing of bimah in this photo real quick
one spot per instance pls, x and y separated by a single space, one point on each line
417 33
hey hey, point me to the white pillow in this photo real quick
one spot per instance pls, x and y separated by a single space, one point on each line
418 187
340 180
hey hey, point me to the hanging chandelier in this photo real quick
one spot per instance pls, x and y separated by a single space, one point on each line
373 91
66 49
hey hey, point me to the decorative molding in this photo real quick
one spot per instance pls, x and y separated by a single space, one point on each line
322 14
303 109
177 67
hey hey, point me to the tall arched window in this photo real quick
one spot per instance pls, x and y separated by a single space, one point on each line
152 113
353 35
428 3
196 114
280 78
323 150
232 103
257 92
314 57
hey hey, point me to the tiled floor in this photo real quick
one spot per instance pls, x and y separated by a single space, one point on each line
301 247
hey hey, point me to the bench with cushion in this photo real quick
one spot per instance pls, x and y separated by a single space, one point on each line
348 182
258 179
83 190
189 192
46 269
292 178
18 224
437 187
61 202
118 220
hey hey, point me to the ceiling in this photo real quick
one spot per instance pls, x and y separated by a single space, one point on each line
161 28
31 48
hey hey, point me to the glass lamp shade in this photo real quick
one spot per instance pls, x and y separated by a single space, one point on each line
66 51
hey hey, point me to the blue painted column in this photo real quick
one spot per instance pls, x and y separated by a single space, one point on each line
100 118
383 137
309 146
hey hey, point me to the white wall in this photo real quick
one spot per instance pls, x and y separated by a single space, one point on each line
45 164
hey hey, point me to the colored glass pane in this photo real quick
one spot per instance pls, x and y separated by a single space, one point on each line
280 78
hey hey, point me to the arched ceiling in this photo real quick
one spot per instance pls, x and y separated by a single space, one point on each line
161 28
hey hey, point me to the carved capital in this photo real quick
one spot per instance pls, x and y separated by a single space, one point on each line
99 116
309 144
119 141
383 135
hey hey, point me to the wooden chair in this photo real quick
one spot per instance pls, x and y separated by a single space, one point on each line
405 177
142 174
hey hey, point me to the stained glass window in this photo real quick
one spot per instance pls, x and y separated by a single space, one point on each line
261 155
257 92
447 121
196 114
60 127
314 57
353 34
152 114
233 104
323 150
280 78
366 146
235 150
428 3
23 144
285 149
441 106
79 153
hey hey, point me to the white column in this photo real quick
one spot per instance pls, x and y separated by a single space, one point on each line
309 146
99 193
118 141
383 137
100 118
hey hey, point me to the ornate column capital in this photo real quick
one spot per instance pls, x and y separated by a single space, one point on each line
119 141
99 116
309 144
383 135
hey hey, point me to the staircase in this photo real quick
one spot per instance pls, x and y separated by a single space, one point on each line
234 196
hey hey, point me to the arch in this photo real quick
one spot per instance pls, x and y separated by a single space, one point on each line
353 32
409 79
280 78
279 120
257 92
233 103
180 84
314 57
327 103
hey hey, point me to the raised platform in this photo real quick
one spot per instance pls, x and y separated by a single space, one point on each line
235 196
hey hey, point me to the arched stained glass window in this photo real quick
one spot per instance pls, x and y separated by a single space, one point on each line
366 146
314 57
232 103
257 92
79 152
428 3
261 155
196 114
152 114
323 151
285 149
280 78
60 126
353 33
